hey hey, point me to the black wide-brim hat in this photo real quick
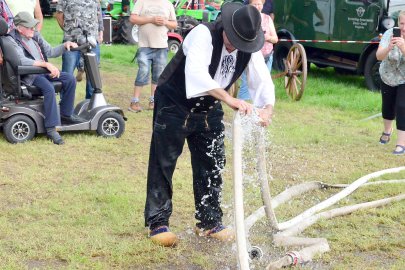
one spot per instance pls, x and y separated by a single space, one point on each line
242 26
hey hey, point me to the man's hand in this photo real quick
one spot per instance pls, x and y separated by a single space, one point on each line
266 115
237 104
55 73
399 42
234 103
69 44
159 20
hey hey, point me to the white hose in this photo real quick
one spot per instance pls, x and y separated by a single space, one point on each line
372 117
299 223
299 189
335 198
264 183
237 140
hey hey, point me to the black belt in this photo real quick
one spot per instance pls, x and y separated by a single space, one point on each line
205 110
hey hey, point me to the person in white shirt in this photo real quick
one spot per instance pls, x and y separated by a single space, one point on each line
188 107
31 6
154 18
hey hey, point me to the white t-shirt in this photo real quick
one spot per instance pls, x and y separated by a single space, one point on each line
197 47
151 35
16 6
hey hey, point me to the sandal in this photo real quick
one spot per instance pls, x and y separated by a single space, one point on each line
388 135
400 152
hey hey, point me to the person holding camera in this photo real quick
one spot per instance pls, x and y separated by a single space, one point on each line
391 52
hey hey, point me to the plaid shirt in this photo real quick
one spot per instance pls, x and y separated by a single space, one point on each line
6 14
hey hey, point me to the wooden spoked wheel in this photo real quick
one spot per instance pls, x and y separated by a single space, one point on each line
295 71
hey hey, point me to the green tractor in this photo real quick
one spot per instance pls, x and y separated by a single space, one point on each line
123 31
197 10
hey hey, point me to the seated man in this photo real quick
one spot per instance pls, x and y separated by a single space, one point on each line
33 50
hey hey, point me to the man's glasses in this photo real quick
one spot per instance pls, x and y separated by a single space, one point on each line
30 28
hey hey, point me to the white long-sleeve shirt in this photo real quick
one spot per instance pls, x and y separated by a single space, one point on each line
198 48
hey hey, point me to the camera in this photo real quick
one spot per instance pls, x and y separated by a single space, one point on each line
396 32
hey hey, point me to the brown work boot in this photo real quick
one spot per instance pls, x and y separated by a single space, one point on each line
135 107
163 236
79 75
219 232
151 105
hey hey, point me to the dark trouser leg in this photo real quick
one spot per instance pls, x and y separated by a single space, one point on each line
208 161
400 107
167 144
68 93
52 118
388 94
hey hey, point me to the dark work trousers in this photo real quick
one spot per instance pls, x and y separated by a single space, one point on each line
393 104
204 133
44 82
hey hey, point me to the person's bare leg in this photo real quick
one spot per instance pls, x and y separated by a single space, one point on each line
400 140
387 130
152 95
152 89
137 91
387 126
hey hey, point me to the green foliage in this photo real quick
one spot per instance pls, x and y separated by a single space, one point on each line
80 205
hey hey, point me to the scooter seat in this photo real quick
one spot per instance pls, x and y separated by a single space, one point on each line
36 92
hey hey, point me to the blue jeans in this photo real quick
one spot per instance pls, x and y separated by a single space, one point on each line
243 89
44 83
70 60
147 58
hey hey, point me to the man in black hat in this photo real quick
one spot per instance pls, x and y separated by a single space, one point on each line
33 50
188 107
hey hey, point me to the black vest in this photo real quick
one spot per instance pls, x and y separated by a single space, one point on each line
172 80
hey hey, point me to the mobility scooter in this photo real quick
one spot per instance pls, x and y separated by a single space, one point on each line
21 106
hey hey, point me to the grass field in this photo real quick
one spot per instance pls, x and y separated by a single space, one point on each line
80 205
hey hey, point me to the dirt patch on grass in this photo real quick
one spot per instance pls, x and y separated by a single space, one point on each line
46 264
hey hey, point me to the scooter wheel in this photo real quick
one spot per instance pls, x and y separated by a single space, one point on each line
111 124
19 128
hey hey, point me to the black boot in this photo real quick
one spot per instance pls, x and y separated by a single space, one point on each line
54 136
71 120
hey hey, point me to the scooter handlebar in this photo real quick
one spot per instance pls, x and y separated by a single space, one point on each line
81 47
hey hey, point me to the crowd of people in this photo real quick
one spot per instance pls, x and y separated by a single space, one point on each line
185 94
